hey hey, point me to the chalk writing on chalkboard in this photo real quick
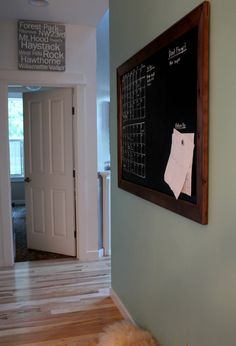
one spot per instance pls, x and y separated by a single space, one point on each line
175 54
156 96
134 121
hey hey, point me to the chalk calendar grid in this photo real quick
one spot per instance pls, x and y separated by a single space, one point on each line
133 122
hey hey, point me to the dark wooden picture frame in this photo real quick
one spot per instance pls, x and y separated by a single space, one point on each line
196 23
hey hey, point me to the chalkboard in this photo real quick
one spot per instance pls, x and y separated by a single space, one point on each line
161 88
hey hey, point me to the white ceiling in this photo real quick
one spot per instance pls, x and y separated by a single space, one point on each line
80 12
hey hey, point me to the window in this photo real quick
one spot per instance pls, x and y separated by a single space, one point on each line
16 136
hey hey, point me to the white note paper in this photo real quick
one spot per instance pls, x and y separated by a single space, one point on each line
178 172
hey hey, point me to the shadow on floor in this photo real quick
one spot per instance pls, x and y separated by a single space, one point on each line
22 253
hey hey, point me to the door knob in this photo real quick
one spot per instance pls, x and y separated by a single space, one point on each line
27 180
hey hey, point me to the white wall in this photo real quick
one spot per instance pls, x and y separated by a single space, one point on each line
80 70
103 91
6 251
103 97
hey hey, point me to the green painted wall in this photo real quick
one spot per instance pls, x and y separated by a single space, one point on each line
176 277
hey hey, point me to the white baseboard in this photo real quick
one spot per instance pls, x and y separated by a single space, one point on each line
124 312
91 255
108 253
9 262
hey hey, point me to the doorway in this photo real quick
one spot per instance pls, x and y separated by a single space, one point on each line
84 130
46 148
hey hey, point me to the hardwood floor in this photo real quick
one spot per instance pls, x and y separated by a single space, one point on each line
57 302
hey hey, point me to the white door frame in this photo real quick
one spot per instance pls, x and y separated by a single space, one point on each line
72 80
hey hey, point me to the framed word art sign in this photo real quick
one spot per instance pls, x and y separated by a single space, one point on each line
41 46
163 118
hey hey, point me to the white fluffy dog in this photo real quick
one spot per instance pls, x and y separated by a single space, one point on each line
125 334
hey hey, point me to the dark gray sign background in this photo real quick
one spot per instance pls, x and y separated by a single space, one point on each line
41 46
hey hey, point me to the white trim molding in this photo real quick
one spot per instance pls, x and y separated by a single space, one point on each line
121 307
41 78
6 237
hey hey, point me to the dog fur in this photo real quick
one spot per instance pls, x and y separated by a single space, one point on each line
125 334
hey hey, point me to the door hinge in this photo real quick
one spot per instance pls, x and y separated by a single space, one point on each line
73 110
75 234
73 173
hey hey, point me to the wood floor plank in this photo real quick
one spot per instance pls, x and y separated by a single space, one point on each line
56 302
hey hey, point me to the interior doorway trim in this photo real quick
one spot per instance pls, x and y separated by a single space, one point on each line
77 83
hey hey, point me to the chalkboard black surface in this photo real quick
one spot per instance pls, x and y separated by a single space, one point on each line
165 87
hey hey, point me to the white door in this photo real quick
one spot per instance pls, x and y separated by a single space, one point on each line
49 186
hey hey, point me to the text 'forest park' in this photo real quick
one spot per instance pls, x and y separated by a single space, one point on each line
41 29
